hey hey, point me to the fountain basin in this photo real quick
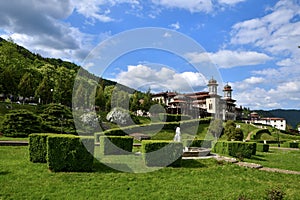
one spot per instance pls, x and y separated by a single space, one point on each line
196 152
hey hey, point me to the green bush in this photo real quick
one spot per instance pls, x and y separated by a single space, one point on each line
69 153
116 145
162 153
291 144
235 149
58 119
38 147
199 143
258 133
20 123
262 147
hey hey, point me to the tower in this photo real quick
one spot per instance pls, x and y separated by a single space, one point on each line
227 91
212 86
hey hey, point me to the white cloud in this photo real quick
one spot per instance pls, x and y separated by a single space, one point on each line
98 10
229 59
276 32
230 2
143 77
175 26
190 5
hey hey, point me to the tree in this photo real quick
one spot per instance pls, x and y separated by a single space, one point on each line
45 90
27 85
233 133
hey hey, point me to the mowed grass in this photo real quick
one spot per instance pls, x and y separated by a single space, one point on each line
196 179
282 159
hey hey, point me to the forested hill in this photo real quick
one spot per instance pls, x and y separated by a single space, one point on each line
292 116
23 73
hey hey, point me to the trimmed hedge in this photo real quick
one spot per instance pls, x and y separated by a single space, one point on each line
291 144
116 145
38 147
235 149
161 153
67 153
173 117
262 147
199 143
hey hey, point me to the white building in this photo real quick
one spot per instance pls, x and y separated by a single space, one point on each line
276 122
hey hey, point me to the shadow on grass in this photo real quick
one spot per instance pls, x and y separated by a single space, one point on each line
192 164
4 173
102 168
258 157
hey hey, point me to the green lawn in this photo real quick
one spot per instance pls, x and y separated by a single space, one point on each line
196 179
281 159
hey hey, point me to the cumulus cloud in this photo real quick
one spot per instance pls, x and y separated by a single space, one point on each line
144 77
229 59
275 32
191 5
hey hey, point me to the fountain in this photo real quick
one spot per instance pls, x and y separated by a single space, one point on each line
191 151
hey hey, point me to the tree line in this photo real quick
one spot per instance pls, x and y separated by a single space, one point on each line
28 77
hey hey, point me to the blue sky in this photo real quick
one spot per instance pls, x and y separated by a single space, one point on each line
252 44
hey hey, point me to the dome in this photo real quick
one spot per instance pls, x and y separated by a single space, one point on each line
212 81
227 87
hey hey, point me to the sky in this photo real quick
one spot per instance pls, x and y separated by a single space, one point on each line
174 45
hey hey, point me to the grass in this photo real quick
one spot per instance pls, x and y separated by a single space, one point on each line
281 159
3 138
196 179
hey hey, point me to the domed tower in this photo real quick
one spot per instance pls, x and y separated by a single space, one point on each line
212 86
227 92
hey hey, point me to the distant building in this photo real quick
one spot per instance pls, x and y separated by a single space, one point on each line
201 104
279 123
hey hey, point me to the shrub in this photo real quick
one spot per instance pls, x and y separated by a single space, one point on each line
20 123
262 147
38 147
116 145
162 153
291 144
58 119
68 153
199 143
235 149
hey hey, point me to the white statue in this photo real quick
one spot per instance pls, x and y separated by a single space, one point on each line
177 137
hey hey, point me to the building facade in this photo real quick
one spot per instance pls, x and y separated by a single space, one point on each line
201 104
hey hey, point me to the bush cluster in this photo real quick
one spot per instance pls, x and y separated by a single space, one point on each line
116 145
66 153
235 149
20 123
161 153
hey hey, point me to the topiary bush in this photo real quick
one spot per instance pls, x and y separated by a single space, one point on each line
161 153
262 147
116 145
38 147
20 123
235 149
58 118
173 117
68 153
